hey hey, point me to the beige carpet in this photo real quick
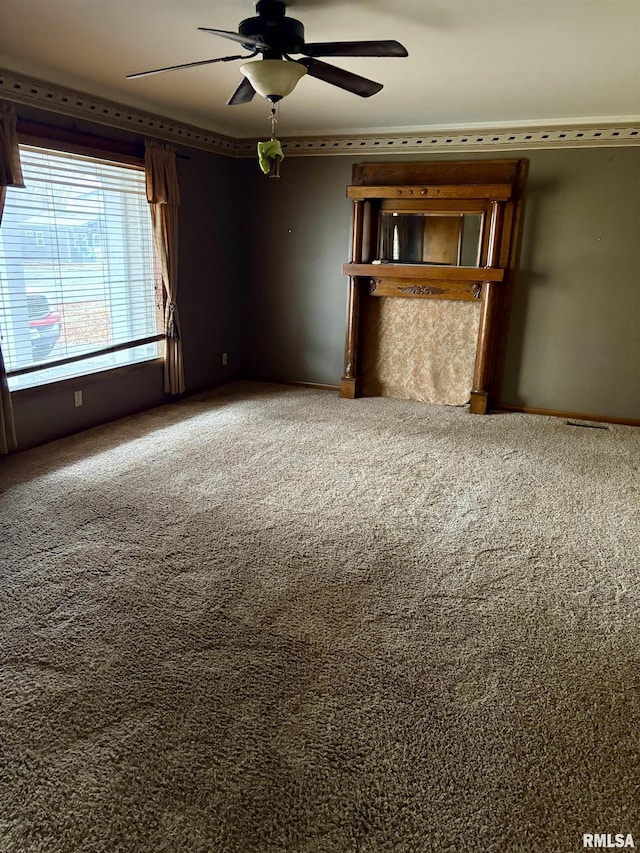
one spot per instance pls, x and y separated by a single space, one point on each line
271 620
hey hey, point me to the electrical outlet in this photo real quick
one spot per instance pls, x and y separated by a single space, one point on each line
224 359
77 398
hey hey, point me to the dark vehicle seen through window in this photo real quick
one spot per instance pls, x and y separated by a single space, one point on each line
45 325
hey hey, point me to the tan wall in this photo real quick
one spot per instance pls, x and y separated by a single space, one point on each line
260 278
574 336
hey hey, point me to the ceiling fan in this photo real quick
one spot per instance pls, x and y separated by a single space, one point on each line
276 37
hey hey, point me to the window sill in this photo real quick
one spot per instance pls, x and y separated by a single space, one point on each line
87 380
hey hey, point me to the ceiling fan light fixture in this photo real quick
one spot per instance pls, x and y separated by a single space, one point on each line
273 78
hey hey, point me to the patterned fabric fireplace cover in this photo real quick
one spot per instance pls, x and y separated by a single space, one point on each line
419 349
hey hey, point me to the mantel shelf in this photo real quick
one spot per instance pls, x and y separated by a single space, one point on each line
424 272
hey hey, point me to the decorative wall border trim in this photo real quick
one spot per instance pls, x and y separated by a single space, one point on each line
27 90
573 136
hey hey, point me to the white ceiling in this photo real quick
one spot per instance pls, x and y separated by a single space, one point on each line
472 63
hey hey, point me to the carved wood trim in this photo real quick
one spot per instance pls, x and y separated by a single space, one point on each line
438 289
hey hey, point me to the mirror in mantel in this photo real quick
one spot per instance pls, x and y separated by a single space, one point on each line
450 239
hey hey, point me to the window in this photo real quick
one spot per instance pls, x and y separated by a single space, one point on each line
79 287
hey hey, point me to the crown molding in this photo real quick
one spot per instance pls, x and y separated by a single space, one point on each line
476 140
37 93
587 134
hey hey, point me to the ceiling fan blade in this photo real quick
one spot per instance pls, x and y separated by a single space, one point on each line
341 78
243 94
253 41
187 65
355 48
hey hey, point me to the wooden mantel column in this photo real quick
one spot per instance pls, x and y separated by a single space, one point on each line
349 384
482 370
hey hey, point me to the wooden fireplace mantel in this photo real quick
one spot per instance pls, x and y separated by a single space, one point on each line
491 188
424 273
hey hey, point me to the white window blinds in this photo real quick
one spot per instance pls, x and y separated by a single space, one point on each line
78 289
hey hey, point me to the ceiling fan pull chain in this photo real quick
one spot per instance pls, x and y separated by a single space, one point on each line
270 153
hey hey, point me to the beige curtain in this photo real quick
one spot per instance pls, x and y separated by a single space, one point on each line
10 176
164 198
